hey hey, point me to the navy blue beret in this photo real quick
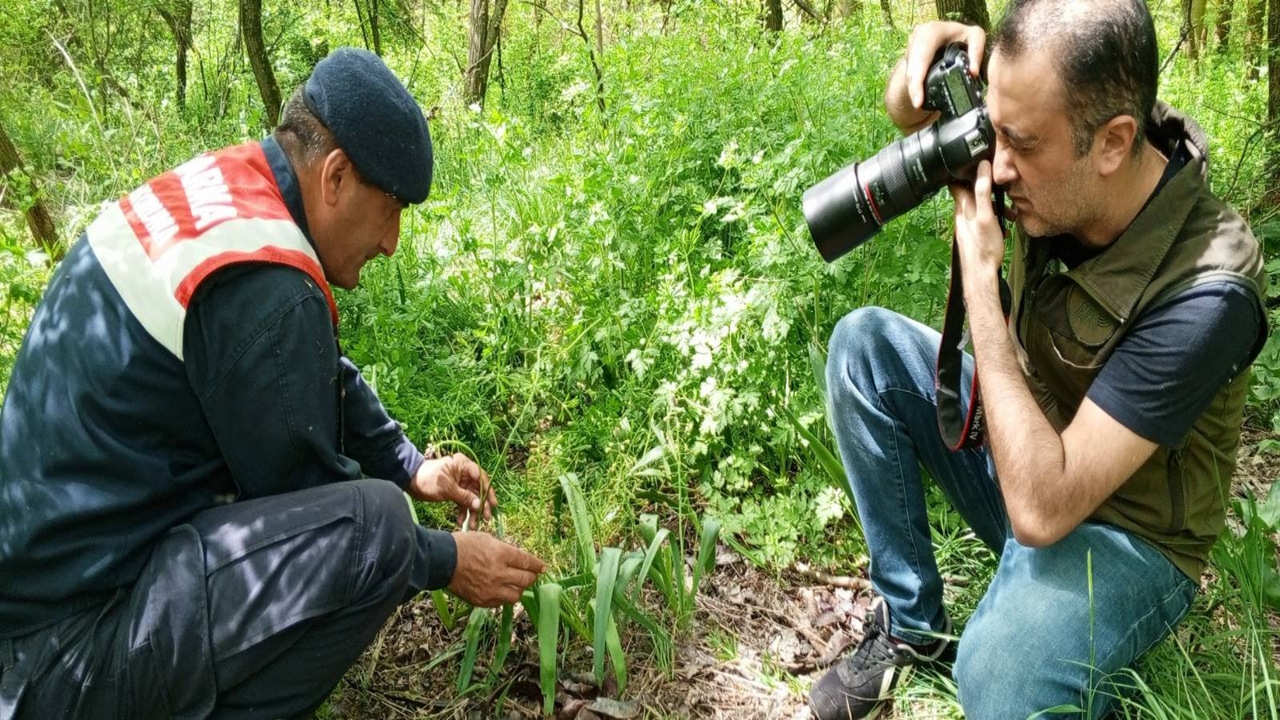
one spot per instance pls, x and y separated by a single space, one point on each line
375 121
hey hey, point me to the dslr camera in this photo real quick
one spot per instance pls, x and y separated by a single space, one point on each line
846 209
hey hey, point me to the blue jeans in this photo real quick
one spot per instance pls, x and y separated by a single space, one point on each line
1037 640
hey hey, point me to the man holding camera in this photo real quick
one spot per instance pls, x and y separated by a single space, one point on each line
187 524
1113 396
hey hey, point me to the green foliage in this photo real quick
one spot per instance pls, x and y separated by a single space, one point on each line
665 565
602 607
1249 556
620 311
1221 661
603 591
1264 395
23 275
657 273
582 526
548 595
471 642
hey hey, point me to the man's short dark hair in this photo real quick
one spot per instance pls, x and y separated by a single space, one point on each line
1105 54
301 134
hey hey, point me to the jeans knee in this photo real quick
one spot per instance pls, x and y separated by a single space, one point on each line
968 668
861 335
1009 671
990 670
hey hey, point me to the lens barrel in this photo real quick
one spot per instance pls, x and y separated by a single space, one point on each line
848 208
838 213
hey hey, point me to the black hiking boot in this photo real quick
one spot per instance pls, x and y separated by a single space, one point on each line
858 687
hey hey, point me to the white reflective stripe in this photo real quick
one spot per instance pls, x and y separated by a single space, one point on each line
886 684
243 235
130 271
149 289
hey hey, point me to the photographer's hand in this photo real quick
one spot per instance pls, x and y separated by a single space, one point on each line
978 235
904 97
1051 479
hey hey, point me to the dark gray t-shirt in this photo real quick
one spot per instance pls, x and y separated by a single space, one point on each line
1175 358
1167 368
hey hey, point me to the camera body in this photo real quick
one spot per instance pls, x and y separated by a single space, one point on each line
846 209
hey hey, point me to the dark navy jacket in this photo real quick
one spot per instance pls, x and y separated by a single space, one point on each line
107 440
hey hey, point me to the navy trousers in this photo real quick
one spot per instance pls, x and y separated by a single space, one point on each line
252 610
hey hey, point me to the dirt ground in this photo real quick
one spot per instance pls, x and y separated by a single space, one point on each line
759 640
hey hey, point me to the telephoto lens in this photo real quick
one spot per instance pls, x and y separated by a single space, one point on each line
849 207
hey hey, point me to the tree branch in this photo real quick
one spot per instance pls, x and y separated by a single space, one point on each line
808 10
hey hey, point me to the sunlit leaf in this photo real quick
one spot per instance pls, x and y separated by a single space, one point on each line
548 639
606 576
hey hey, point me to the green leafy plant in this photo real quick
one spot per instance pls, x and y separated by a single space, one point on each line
664 564
1249 555
606 592
569 288
548 614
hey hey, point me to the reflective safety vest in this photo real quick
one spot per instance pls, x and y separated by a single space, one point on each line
158 243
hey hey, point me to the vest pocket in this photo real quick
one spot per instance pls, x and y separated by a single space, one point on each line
1075 354
1079 330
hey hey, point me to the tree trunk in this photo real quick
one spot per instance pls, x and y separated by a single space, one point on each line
599 30
888 14
373 27
38 217
594 65
808 13
845 9
1273 88
1255 18
485 26
1194 10
178 18
1222 28
256 49
969 12
773 15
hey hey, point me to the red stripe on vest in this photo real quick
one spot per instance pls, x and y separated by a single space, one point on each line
245 166
161 198
193 200
186 202
269 254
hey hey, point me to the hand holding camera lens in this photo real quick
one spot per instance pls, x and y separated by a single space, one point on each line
922 52
849 207
979 238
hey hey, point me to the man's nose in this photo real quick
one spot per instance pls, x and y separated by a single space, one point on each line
1003 172
392 241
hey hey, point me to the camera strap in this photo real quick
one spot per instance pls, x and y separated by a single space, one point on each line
962 426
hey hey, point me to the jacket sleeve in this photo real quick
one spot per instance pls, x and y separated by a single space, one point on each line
261 356
370 435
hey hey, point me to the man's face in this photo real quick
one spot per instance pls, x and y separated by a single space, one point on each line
1053 192
362 223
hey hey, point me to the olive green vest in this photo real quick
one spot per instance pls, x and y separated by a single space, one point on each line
1066 323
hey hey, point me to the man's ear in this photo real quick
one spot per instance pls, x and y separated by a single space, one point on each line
337 175
1113 143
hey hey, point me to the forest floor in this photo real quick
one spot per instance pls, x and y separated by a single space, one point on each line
759 639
